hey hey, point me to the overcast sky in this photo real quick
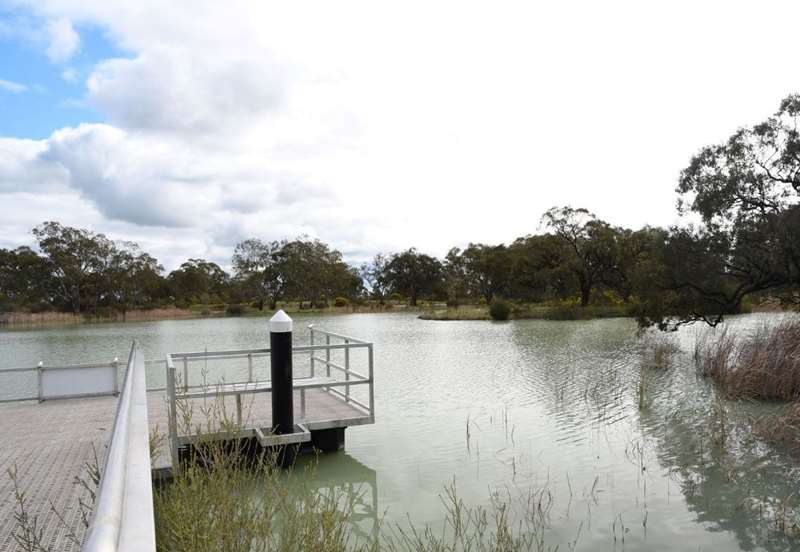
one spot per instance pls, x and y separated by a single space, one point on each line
189 126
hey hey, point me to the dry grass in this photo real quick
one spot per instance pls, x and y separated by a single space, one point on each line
764 365
34 319
783 428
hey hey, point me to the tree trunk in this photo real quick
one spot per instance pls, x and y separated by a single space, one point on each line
586 292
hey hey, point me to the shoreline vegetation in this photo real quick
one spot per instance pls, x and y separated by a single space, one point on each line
427 310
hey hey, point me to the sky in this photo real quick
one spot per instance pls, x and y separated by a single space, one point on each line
373 126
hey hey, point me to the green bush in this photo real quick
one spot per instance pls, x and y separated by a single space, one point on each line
234 310
482 301
499 309
341 302
397 297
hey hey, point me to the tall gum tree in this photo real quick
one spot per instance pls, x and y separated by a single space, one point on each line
746 192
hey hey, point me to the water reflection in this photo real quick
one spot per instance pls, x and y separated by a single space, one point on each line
731 480
341 474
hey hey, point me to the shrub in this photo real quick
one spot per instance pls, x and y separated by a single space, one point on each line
396 297
234 310
482 301
499 309
452 303
341 302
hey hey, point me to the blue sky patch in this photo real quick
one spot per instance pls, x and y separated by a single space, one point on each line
38 96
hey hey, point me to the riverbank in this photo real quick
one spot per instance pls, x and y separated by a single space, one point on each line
40 319
530 312
22 320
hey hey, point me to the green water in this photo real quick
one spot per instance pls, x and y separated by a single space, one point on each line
551 406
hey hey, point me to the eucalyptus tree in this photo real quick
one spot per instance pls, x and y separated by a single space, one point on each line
455 278
199 280
540 268
133 278
76 259
591 244
414 274
487 269
258 265
313 271
25 280
746 192
373 275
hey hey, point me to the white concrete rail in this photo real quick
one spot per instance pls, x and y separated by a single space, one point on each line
123 515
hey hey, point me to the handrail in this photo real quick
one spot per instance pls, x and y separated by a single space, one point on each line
57 367
340 368
40 368
242 353
123 515
312 327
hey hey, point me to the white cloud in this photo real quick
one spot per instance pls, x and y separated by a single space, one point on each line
377 129
11 86
70 74
63 40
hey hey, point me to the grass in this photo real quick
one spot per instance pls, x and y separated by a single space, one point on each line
764 365
229 498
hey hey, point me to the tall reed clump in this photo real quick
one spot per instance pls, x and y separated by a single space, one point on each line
228 498
764 365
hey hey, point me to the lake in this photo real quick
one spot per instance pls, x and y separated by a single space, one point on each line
521 407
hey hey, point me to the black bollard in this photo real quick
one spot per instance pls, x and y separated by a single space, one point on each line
280 344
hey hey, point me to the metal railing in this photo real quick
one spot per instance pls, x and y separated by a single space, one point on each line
123 518
349 343
179 367
69 381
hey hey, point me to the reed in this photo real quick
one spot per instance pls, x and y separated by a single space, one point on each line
764 365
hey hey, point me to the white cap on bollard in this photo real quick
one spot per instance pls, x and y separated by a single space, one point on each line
280 323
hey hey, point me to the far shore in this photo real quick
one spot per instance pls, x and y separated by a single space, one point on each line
530 312
23 320
428 310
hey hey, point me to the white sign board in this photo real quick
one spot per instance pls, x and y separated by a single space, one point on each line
75 382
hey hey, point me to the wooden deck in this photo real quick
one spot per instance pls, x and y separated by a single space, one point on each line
51 442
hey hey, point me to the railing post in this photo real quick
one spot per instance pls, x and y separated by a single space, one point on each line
371 383
39 378
311 330
347 369
328 355
250 367
115 366
280 345
173 415
185 374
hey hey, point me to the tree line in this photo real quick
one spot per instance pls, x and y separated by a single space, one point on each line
745 192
